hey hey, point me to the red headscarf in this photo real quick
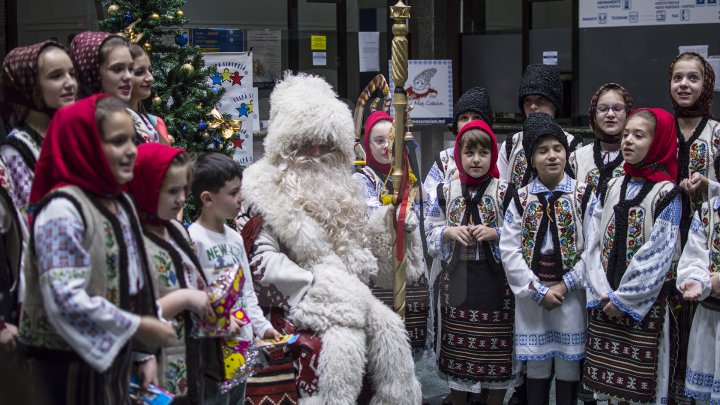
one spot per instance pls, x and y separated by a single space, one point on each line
72 154
493 171
660 163
153 162
373 119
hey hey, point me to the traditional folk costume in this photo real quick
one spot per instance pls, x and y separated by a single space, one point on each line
375 181
475 308
20 150
633 237
699 153
475 100
86 270
700 259
590 164
308 256
10 248
541 245
173 265
543 80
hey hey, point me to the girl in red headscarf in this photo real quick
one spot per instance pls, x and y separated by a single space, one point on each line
36 80
89 301
159 187
474 299
374 180
631 244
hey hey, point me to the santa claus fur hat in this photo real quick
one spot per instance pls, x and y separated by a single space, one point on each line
304 110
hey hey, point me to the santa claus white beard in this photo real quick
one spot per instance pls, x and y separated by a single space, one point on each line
324 189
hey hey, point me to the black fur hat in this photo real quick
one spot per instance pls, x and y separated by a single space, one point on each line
535 127
543 80
474 100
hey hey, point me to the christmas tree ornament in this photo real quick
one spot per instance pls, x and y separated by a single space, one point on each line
214 89
147 46
205 135
155 16
182 39
227 127
157 100
127 17
202 125
180 14
187 68
113 9
183 128
171 140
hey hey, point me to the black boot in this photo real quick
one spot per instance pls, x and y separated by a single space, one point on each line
566 392
538 391
519 396
480 398
447 400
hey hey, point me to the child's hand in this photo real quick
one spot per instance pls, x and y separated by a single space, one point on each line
197 301
154 332
560 290
483 233
691 289
8 336
551 300
609 308
235 326
461 234
148 373
271 333
697 183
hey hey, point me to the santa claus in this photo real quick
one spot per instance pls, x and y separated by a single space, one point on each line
304 224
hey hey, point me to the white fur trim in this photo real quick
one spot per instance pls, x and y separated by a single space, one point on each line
304 108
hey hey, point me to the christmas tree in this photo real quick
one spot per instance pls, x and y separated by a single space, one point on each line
182 95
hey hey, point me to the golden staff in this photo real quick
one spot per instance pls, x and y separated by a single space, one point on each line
400 13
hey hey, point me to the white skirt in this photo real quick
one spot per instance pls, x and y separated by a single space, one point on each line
703 363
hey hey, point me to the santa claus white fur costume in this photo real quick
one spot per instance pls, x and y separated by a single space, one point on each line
310 257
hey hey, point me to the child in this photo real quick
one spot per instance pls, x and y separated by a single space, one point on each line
374 179
540 91
698 281
151 128
631 243
88 287
542 241
159 186
600 161
221 250
36 80
104 64
475 328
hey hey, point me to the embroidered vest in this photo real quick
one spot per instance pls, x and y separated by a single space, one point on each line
107 276
180 366
640 219
699 156
586 170
518 172
375 179
567 213
27 142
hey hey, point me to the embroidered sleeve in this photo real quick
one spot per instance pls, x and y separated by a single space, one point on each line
646 273
435 224
695 259
372 200
93 326
430 184
596 284
502 161
518 273
713 189
22 178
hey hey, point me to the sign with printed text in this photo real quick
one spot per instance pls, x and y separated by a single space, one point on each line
318 43
628 13
218 39
233 71
429 89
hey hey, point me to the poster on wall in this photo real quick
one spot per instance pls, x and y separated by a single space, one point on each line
218 39
429 89
628 13
266 47
233 72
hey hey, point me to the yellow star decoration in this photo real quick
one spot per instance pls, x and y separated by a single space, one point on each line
226 75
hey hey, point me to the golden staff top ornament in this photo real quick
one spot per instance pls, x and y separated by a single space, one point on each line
227 127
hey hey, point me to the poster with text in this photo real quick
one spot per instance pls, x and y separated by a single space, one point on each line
628 13
429 89
233 72
266 47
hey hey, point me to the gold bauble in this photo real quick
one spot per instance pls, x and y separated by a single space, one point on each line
180 14
157 100
155 16
113 9
147 46
187 68
171 140
205 135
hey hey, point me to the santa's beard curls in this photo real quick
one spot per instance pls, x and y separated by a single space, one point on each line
323 188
